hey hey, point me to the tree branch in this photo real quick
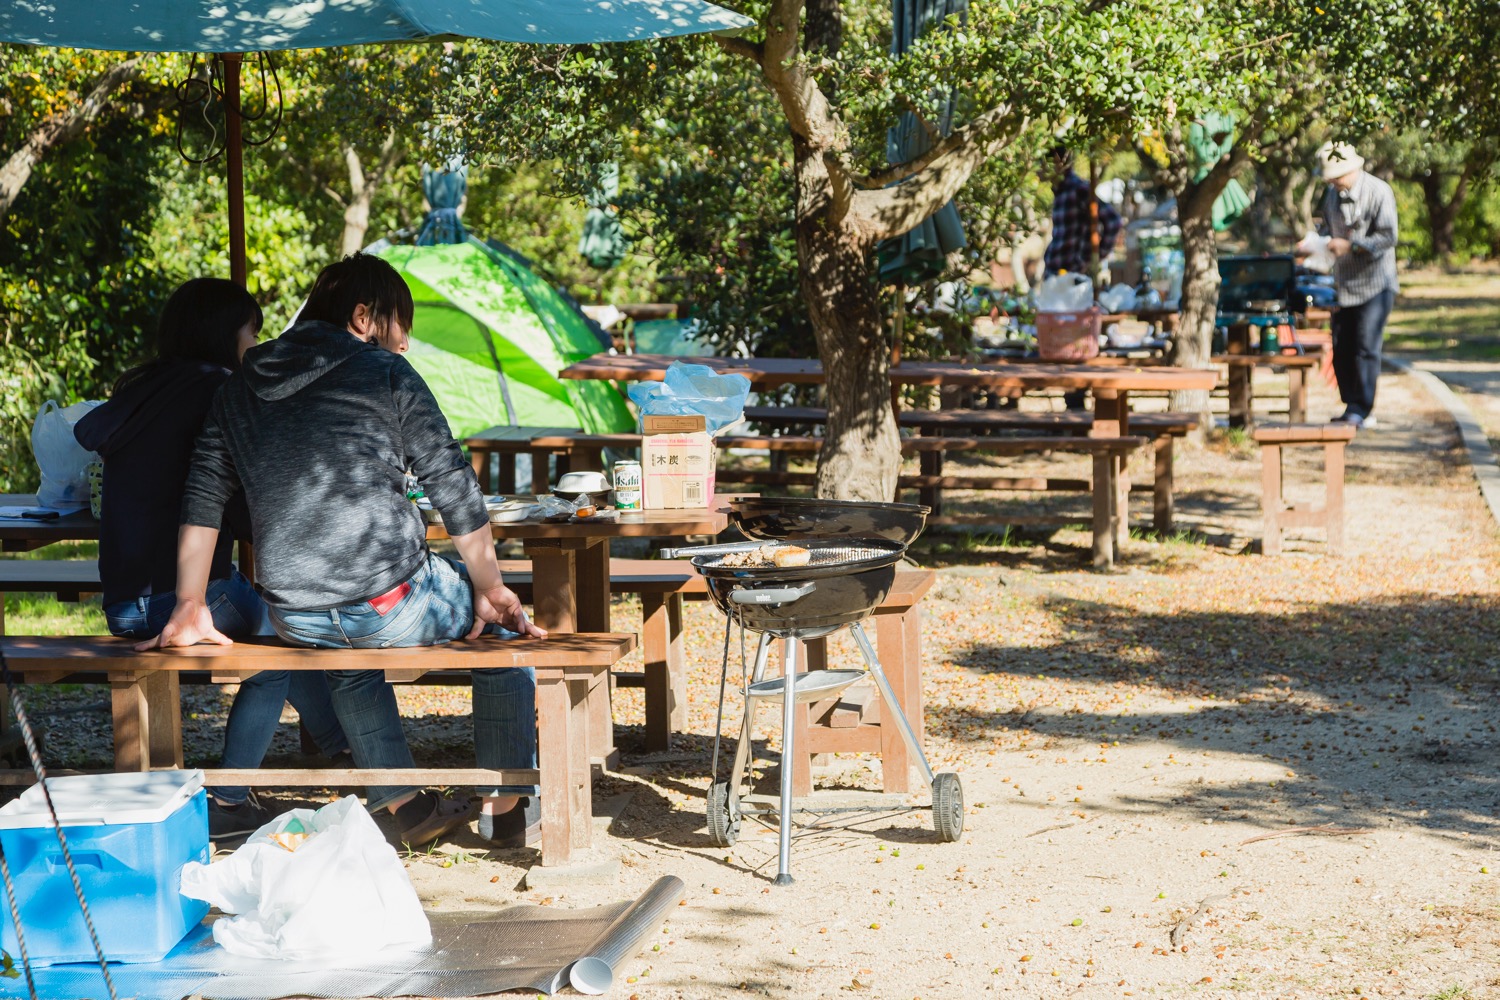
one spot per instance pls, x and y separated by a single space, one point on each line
895 209
974 131
58 129
754 51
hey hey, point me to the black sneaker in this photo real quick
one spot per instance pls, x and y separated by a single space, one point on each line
232 822
519 827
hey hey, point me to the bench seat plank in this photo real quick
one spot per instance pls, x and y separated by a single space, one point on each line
568 667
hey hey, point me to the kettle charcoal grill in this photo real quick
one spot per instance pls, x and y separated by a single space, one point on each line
844 580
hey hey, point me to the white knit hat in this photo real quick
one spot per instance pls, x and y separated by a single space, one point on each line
1337 159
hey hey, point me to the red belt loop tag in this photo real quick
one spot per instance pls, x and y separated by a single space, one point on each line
385 602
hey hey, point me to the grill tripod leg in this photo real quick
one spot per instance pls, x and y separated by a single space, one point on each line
788 750
746 744
892 706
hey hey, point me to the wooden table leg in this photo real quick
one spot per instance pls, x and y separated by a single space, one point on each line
1104 510
1161 494
1271 501
1296 402
562 711
131 713
1111 413
1333 504
479 461
164 704
554 586
593 616
506 475
899 646
666 677
1240 400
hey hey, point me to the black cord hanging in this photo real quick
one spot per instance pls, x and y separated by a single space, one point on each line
62 841
201 94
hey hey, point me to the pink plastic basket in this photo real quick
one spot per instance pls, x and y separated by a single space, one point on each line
1068 336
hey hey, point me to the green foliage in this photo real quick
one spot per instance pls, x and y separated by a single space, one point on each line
78 291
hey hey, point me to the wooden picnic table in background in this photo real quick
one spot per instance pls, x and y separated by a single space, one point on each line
1110 385
23 534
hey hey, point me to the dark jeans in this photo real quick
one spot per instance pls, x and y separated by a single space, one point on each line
1357 335
238 612
439 609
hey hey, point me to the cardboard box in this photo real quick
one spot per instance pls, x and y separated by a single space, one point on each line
678 462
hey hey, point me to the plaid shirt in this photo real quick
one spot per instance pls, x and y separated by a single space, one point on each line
1069 249
1365 215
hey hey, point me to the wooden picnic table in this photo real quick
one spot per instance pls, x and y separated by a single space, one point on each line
1110 386
21 534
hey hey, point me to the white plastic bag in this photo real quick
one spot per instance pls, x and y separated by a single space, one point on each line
1316 249
1067 292
1119 299
340 892
62 461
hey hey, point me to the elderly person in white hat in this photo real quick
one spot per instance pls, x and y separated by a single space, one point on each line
1359 215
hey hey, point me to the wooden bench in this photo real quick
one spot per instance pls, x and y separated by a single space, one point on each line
148 723
661 585
1161 428
1279 514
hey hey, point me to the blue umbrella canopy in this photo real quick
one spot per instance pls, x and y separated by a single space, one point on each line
266 25
921 254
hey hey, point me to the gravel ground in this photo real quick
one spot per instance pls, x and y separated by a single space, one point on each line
1204 772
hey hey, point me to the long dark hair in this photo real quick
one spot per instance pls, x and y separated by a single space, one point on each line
201 322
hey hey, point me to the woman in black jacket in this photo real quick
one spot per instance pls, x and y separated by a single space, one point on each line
145 435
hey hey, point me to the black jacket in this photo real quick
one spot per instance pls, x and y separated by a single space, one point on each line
320 428
145 435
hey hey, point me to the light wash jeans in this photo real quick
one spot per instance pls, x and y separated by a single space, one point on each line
238 611
439 609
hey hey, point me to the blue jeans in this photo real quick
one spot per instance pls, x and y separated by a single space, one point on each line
237 612
1357 335
439 609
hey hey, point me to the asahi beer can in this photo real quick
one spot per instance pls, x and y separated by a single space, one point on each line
627 477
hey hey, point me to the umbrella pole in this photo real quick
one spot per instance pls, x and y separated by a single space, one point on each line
235 162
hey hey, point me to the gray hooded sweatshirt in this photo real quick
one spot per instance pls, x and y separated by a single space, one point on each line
319 429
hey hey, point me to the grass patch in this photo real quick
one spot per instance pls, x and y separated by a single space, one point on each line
1454 992
1455 315
43 614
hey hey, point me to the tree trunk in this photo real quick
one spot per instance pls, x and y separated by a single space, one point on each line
861 454
1193 343
1441 214
59 129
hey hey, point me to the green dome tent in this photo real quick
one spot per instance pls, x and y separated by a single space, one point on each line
490 335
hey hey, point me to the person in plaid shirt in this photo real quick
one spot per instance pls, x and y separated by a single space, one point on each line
1069 249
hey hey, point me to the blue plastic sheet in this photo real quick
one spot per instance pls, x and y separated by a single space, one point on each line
692 390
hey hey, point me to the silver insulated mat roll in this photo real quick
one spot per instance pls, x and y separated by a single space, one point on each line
472 954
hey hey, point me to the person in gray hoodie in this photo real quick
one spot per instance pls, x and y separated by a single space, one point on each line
320 428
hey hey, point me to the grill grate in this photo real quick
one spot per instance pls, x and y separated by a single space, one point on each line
820 555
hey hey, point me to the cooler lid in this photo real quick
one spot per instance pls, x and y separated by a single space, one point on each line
103 799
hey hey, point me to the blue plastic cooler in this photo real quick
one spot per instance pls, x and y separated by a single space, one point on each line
130 835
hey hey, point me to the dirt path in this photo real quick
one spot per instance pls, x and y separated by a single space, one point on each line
1143 753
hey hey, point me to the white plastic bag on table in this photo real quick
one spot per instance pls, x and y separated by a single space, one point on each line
1067 292
62 461
341 892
